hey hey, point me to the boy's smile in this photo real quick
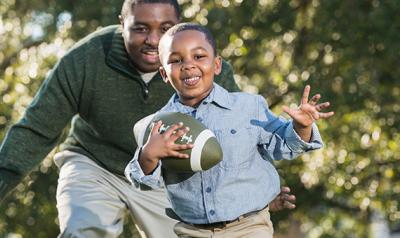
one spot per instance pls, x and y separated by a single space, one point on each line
189 64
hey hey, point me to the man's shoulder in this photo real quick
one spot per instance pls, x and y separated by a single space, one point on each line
104 32
226 78
97 39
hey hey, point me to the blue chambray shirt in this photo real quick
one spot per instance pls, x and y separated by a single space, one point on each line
245 180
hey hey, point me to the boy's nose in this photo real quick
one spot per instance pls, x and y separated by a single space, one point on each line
187 65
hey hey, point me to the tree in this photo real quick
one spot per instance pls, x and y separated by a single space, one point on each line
346 50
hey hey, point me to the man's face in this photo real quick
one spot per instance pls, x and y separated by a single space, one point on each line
189 64
142 30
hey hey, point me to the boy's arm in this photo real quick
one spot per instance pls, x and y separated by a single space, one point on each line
133 170
278 138
134 173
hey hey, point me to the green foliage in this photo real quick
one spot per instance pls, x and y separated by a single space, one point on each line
346 50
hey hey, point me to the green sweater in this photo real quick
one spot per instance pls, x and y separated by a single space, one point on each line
97 87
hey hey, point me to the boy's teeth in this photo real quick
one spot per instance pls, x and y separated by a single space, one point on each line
192 79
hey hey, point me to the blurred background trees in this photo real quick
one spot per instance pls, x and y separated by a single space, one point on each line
348 51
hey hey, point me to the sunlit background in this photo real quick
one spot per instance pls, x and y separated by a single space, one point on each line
349 51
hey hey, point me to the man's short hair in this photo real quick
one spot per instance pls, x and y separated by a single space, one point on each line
194 27
128 5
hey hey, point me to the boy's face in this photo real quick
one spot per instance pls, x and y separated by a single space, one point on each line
189 64
142 30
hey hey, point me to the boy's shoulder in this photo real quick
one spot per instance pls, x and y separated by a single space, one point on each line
245 97
237 99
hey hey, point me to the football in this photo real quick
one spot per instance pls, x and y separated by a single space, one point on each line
206 151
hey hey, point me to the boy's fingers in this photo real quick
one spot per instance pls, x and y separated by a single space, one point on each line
179 132
172 129
322 106
178 147
306 93
326 114
155 127
315 99
287 110
179 155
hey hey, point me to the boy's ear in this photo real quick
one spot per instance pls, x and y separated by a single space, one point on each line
217 65
163 74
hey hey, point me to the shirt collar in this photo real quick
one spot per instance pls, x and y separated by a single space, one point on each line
218 96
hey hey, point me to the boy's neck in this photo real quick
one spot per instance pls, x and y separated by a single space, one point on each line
194 102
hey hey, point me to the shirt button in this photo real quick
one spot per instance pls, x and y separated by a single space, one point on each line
208 190
233 131
204 103
212 212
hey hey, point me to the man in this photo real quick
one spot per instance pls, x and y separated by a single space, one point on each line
104 84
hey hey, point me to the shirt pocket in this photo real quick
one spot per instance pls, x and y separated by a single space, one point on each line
238 146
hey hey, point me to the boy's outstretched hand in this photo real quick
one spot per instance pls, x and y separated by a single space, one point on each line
308 112
284 200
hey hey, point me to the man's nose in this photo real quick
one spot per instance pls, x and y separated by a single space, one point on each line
153 38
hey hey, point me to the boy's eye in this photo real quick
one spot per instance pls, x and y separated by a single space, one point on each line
199 56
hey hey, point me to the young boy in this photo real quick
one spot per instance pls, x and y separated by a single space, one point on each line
231 199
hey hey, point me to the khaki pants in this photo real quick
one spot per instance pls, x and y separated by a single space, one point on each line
257 225
92 202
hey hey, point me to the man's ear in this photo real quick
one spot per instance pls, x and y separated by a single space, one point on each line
163 74
217 65
121 20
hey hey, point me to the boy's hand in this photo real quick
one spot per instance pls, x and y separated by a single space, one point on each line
163 145
308 112
283 200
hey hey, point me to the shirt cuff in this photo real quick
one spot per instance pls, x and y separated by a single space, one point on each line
296 144
134 173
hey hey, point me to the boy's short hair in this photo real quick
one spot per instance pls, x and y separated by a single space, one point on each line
128 5
190 26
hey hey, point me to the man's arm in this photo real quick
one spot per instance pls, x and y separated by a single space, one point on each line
35 135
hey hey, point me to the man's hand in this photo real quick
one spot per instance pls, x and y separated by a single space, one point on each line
284 200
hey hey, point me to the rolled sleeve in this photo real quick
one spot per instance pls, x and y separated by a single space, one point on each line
297 145
134 173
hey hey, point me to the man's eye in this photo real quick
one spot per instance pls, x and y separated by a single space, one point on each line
165 29
174 61
139 29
